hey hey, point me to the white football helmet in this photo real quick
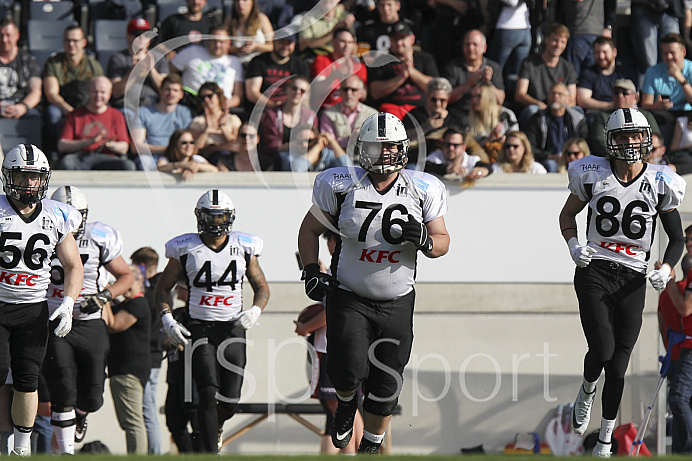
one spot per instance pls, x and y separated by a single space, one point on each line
628 121
215 214
73 196
377 131
22 161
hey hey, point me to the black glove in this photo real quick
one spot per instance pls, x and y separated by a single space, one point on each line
317 283
416 233
94 303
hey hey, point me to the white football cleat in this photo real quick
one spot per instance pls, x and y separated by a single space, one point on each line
581 412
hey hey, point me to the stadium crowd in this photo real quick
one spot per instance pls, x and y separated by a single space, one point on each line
551 71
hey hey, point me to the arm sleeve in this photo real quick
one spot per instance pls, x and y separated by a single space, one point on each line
676 239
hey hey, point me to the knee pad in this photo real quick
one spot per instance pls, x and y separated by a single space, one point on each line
379 408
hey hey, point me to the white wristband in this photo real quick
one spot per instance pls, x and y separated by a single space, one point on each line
573 243
68 302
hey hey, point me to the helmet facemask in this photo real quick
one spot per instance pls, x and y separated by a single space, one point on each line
16 181
631 152
383 157
214 223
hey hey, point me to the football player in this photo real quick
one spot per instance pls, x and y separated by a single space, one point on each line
75 364
214 262
31 229
384 215
625 195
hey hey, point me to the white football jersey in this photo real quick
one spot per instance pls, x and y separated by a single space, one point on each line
621 217
372 259
214 277
26 248
98 245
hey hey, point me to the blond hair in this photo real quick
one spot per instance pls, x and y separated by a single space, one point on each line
527 159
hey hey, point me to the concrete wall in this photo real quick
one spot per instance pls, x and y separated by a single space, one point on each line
498 340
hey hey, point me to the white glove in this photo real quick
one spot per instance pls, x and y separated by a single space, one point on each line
65 314
659 277
248 318
177 333
581 254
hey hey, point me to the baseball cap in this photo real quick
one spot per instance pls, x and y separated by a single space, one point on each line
137 26
399 28
286 33
625 84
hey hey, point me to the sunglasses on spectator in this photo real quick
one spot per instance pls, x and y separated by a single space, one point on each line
186 143
512 146
207 95
618 91
454 145
573 152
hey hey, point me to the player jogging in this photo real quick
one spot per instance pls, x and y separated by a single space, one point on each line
75 365
213 263
31 229
624 196
384 215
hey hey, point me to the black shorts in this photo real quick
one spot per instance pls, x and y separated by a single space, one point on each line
75 366
227 377
23 338
355 327
611 302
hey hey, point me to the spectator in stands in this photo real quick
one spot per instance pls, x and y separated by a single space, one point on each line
181 156
594 90
679 160
95 135
516 156
272 68
433 118
682 136
376 32
328 71
198 64
216 130
649 21
624 97
574 149
317 27
20 81
540 72
147 260
666 85
511 39
488 121
310 150
467 71
347 116
245 155
587 20
398 87
156 123
122 63
452 159
129 363
550 128
276 123
66 80
251 31
186 28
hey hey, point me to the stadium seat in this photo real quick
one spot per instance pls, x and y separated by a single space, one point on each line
109 37
13 132
62 10
45 37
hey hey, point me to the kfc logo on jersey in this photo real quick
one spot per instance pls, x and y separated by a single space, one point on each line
215 301
20 279
379 256
621 248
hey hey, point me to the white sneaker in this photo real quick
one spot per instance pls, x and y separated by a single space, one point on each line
581 412
602 450
20 451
